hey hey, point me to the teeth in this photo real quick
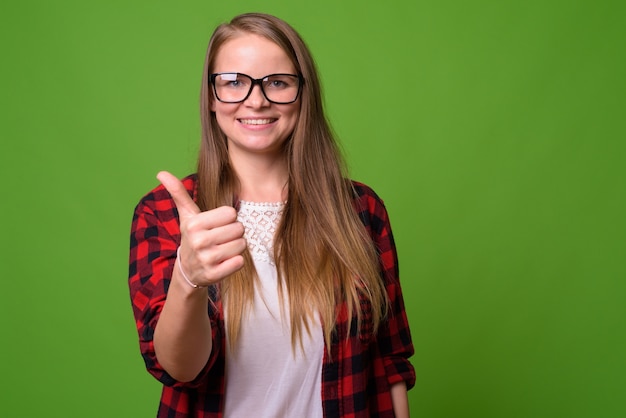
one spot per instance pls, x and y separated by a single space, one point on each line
256 121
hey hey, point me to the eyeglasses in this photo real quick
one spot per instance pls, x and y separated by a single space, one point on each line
236 87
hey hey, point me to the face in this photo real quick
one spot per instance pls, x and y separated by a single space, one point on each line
254 126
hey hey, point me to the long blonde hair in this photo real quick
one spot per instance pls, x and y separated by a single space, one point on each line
323 252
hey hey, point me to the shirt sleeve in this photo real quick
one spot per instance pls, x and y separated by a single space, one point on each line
155 236
394 336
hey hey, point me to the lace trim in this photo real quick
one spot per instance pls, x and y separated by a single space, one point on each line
260 221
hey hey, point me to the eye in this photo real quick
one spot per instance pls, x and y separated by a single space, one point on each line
233 81
279 82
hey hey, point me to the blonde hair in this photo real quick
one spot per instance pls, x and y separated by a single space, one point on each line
324 256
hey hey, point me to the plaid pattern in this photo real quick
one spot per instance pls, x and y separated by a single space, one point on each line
356 374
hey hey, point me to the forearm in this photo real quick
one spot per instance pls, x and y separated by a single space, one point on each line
400 400
182 338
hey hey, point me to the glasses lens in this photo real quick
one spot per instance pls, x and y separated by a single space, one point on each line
232 87
277 88
281 88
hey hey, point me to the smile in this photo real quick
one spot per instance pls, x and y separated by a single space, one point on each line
257 121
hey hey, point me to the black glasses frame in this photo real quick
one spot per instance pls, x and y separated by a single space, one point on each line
259 82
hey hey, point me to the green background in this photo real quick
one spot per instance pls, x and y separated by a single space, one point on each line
494 130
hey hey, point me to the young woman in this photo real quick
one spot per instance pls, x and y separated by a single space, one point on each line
266 284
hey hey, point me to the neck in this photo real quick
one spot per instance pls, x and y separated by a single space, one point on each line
261 179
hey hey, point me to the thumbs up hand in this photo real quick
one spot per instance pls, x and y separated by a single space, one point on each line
212 242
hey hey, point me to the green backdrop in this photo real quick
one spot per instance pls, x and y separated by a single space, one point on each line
494 130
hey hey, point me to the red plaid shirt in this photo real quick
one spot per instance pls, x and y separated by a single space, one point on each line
356 374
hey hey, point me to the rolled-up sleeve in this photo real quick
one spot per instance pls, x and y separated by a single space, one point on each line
154 238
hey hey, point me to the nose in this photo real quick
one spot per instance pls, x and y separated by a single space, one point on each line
256 98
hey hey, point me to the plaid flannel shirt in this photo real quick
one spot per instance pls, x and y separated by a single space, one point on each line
356 374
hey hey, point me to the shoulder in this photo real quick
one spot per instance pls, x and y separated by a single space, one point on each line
158 208
364 191
159 199
365 198
370 206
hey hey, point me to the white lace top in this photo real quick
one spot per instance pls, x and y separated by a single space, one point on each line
260 221
264 376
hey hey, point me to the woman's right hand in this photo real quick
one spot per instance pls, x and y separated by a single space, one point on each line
212 242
